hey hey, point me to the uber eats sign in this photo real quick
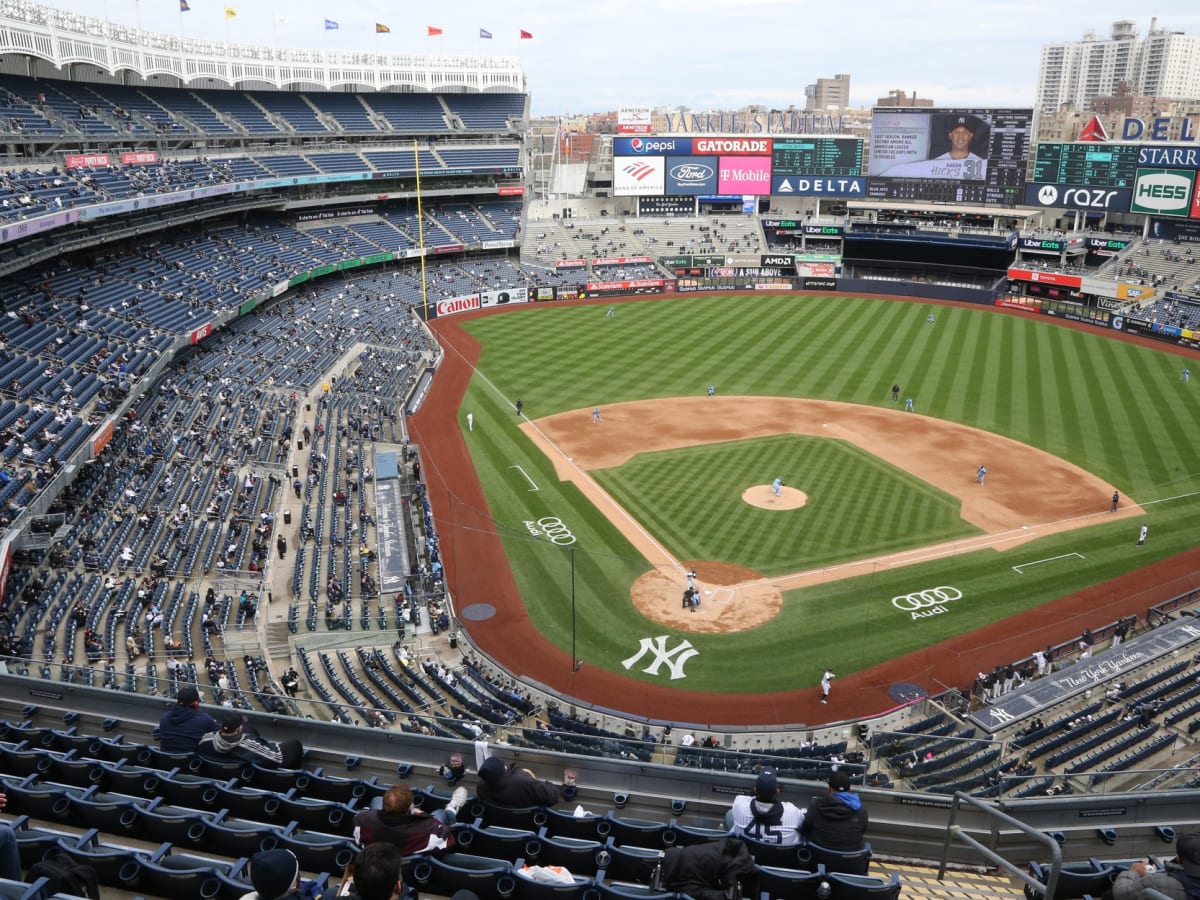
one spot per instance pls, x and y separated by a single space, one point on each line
1163 192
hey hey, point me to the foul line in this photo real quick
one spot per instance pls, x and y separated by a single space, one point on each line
668 558
532 484
1038 562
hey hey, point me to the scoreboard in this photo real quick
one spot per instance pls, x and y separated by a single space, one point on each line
1086 164
820 156
913 156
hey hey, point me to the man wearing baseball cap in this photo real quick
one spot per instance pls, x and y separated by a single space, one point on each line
962 132
764 817
235 741
184 724
1179 879
837 820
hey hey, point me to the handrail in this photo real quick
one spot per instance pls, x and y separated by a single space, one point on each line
953 831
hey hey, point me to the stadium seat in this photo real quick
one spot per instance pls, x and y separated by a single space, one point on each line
779 883
862 887
463 872
525 888
116 866
1074 879
855 862
498 841
794 856
318 852
637 832
574 854
565 824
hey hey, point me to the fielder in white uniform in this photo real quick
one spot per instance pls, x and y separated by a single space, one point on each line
764 817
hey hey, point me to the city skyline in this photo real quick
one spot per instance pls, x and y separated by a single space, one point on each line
700 55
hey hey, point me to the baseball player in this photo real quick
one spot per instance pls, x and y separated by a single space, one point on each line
1116 501
826 683
612 313
1142 534
520 406
596 416
908 404
470 421
1186 375
981 475
711 390
931 320
896 393
777 487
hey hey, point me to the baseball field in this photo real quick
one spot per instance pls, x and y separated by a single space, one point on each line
569 536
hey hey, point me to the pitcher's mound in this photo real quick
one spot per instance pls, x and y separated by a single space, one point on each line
763 496
731 598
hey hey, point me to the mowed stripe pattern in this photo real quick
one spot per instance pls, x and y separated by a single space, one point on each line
1116 409
858 505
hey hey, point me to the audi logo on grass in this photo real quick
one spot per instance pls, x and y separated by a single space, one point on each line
929 602
552 528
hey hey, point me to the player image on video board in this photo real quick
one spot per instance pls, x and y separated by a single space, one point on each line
951 146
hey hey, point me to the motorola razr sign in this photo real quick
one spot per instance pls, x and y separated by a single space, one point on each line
1163 192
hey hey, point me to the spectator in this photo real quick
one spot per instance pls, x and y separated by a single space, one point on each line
183 725
236 741
376 874
765 817
400 823
507 786
274 874
836 821
1179 879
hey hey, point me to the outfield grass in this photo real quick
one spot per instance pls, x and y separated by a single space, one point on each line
858 505
1116 409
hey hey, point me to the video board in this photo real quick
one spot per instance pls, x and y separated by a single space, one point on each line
949 155
738 166
1086 164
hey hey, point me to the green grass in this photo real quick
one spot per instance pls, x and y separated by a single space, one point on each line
858 505
1115 409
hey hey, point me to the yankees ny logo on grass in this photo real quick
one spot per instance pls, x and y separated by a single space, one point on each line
682 652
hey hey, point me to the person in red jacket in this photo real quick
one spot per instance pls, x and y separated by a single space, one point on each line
409 829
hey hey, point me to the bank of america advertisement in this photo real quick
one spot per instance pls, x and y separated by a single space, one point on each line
639 176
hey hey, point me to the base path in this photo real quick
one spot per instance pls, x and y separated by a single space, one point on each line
1028 493
469 537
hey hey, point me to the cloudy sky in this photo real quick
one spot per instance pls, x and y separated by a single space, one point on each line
702 54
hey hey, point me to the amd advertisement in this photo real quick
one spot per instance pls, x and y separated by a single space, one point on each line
949 155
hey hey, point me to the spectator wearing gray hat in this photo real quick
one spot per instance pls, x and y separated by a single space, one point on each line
184 724
764 817
1179 878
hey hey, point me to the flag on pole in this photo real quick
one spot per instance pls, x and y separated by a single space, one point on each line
230 12
331 25
431 31
525 35
382 29
484 34
183 7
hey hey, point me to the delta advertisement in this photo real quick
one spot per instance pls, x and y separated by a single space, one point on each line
730 166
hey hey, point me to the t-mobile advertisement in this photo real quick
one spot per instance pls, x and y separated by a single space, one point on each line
744 175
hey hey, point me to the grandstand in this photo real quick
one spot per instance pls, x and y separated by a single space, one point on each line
207 353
